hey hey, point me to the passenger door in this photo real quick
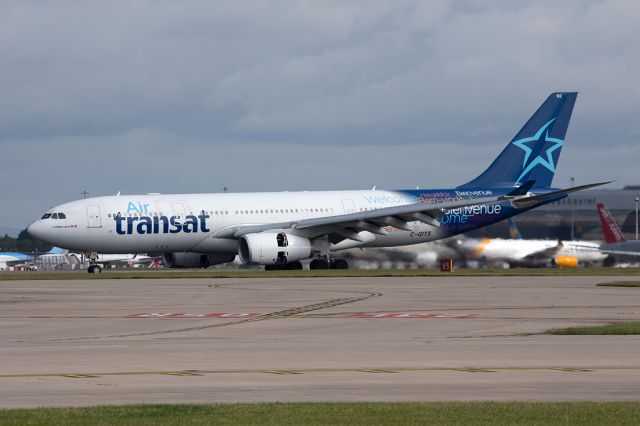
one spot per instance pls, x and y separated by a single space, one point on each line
348 206
93 217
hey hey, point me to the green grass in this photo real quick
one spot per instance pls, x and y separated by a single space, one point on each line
621 284
621 328
458 413
207 273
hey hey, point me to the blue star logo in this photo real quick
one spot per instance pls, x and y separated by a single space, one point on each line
541 138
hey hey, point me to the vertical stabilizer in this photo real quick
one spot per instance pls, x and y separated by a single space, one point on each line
532 155
610 229
514 233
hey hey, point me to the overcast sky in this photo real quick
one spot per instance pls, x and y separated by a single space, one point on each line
193 96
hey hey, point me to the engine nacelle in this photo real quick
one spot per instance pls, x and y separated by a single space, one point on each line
195 260
566 261
273 248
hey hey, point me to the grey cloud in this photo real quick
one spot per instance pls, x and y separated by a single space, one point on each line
192 96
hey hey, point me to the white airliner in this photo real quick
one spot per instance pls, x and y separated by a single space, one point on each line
531 253
119 259
280 229
615 243
10 259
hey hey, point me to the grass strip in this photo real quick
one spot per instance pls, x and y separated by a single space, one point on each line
439 413
257 273
621 328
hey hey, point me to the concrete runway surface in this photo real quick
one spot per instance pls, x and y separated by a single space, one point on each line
72 343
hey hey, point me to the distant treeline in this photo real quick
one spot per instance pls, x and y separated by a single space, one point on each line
24 243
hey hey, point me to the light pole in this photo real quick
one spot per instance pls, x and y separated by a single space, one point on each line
637 199
572 213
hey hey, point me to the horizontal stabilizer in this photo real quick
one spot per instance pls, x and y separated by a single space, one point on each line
522 189
524 202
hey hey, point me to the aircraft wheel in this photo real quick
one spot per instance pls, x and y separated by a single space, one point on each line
318 264
340 264
94 269
295 265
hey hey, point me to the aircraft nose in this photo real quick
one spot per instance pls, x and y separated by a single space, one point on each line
35 230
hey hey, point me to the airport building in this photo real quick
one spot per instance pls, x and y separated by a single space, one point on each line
578 210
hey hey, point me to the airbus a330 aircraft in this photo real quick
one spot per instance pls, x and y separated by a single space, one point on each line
279 230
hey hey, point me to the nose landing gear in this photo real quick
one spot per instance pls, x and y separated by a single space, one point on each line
93 268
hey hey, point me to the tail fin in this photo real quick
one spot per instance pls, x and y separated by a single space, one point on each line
533 153
57 250
610 229
514 233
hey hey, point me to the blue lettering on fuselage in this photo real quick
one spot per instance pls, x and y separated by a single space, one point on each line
464 215
137 207
160 224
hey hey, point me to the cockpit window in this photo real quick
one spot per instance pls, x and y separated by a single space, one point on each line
54 216
46 216
62 216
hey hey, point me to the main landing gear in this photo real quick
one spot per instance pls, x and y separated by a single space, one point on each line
290 266
331 264
315 264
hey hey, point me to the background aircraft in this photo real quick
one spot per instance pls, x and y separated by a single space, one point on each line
10 260
615 242
517 252
123 260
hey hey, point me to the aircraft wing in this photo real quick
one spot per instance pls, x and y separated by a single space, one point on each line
12 259
348 225
547 253
625 253
345 226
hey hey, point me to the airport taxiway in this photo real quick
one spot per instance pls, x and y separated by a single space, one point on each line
88 342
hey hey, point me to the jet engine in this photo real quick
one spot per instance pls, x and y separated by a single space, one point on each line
195 260
566 261
273 248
